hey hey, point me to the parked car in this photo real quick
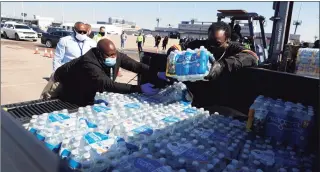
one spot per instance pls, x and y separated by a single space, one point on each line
38 30
13 30
53 29
52 39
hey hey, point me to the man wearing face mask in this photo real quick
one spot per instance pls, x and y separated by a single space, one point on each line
73 46
100 35
96 71
229 57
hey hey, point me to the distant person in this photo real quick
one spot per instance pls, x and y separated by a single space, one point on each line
73 46
139 42
89 31
144 39
155 40
236 35
96 71
100 35
305 45
164 43
316 44
123 38
158 40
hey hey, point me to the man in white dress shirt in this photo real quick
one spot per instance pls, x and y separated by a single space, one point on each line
73 46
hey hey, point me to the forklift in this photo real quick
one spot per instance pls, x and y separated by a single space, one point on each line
242 15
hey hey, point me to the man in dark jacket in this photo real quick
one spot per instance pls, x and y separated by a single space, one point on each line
96 71
229 57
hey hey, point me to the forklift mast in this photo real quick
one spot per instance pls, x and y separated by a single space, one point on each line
280 30
242 15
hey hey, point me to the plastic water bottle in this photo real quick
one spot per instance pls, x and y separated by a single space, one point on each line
186 65
203 61
255 165
282 170
245 169
179 64
194 62
172 63
236 163
193 166
230 168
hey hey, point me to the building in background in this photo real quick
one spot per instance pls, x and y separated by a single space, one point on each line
199 29
42 22
110 29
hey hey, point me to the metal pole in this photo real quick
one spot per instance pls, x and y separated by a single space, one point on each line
22 12
295 29
62 12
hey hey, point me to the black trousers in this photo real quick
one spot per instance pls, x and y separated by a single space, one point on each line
164 46
139 46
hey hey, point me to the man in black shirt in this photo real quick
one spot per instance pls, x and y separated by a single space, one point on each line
229 57
96 71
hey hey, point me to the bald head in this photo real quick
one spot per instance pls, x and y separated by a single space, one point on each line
107 47
80 27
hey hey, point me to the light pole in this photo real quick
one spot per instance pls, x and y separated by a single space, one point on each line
22 12
296 23
158 20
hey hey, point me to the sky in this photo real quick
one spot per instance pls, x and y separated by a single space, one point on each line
145 13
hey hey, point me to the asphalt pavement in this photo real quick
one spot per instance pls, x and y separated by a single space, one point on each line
24 74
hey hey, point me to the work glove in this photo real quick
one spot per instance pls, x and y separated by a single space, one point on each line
162 76
215 71
148 89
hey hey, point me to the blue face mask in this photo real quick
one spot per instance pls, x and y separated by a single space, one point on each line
110 61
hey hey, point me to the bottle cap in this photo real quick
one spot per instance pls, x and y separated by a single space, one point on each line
195 163
282 170
230 167
256 162
221 155
234 161
181 160
295 170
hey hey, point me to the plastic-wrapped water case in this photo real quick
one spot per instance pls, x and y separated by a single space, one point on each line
190 65
308 62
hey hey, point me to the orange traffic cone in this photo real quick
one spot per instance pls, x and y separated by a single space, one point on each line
36 51
46 54
51 54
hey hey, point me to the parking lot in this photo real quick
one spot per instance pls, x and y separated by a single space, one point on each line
24 74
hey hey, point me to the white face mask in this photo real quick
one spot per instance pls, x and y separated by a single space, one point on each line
81 37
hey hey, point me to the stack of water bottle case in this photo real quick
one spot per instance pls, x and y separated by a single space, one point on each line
190 65
135 133
308 63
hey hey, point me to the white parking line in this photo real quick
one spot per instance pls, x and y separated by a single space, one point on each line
17 85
